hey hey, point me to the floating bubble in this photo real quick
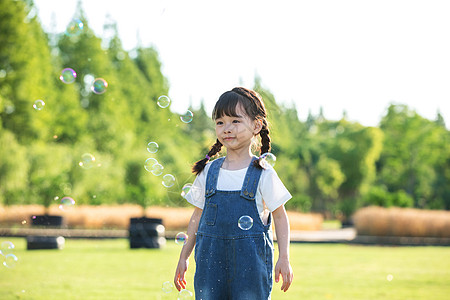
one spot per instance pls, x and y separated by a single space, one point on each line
87 161
149 162
152 147
245 222
187 117
99 86
68 75
10 261
168 180
181 238
266 160
24 222
9 108
38 104
66 203
6 248
163 101
74 28
185 294
389 277
185 189
88 79
121 55
167 287
157 169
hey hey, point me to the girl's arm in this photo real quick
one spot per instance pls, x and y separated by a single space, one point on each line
183 262
283 266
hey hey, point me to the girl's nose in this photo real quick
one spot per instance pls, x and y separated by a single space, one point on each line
227 128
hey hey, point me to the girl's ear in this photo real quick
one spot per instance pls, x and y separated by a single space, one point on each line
257 127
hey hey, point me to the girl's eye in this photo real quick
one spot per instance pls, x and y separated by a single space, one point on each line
219 123
236 121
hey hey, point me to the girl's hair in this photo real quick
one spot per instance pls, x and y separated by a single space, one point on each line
252 102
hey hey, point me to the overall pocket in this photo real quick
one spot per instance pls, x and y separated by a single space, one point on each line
210 214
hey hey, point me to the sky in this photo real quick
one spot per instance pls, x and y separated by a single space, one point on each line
355 56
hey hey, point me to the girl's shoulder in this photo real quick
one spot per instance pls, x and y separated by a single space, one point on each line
205 170
269 174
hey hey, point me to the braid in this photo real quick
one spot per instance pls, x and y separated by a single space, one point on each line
265 140
265 143
198 167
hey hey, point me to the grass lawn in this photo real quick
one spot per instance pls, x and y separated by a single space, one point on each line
108 269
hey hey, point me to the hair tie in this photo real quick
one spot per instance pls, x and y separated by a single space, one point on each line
207 156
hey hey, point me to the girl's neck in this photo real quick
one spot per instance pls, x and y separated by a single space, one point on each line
237 161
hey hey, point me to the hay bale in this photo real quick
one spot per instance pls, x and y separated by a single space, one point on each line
402 222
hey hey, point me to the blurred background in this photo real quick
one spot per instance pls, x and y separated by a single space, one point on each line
105 106
66 134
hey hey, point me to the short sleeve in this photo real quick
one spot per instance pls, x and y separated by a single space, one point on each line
272 189
196 195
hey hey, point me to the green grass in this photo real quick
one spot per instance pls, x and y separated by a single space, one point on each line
108 269
331 224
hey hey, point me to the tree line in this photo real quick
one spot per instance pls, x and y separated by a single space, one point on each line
330 166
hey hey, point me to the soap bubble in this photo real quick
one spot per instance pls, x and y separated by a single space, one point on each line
88 79
87 161
10 261
74 28
187 117
184 294
6 248
99 86
245 222
185 189
163 101
38 104
389 277
149 162
157 169
66 203
68 75
168 180
152 147
167 287
181 238
9 108
266 160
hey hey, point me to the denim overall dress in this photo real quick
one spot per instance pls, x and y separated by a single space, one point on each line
232 263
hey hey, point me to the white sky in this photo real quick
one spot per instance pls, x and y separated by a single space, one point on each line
352 55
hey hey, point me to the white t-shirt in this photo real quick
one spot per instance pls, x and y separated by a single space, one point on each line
271 192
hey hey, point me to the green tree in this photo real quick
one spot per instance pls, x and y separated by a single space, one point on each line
414 156
25 64
356 148
14 167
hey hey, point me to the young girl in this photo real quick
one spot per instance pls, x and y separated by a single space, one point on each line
235 261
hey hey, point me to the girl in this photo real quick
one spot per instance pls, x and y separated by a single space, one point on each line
235 261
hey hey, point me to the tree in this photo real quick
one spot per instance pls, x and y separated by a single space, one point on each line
356 148
27 73
14 167
414 156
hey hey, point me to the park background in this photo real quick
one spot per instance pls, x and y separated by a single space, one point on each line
332 168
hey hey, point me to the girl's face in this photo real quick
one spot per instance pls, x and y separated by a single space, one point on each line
236 133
